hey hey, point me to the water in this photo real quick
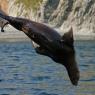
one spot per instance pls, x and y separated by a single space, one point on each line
23 72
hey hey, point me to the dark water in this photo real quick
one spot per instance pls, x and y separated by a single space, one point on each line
23 72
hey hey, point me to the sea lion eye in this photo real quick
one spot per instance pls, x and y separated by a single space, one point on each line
33 35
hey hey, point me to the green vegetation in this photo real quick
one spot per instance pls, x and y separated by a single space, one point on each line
28 4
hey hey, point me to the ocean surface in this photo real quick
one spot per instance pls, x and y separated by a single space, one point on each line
23 72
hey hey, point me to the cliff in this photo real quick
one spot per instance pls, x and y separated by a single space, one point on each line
4 6
3 9
63 13
60 14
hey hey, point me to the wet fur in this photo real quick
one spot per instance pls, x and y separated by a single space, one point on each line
50 43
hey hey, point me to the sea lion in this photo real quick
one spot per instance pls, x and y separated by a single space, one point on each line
49 43
3 22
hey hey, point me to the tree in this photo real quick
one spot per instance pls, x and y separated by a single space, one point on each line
37 6
28 4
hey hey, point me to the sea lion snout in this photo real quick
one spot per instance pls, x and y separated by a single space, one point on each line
72 70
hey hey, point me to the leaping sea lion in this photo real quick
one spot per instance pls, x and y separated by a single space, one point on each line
49 43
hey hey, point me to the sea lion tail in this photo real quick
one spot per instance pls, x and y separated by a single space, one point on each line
4 16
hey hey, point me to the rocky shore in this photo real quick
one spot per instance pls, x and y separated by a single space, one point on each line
80 14
12 35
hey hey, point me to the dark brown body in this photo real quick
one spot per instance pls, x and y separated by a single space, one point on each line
49 43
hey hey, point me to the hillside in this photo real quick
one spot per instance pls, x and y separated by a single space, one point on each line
60 14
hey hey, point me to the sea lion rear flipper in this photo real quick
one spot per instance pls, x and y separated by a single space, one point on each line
2 27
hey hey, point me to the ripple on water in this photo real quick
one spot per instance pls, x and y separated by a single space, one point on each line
44 93
23 72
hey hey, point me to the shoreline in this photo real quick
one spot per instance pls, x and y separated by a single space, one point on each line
26 39
12 35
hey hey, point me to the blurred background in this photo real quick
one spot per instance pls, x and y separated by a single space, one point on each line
59 14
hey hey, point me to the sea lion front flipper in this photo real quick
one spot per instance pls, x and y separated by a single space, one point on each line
70 62
35 45
39 49
68 38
